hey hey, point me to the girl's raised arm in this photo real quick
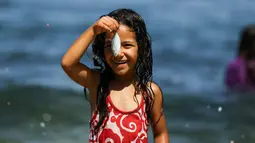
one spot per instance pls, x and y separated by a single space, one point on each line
77 71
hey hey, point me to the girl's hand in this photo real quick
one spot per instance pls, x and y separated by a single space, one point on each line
105 24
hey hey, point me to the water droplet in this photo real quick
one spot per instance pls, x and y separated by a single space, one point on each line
243 136
46 117
9 103
42 124
43 133
220 109
47 24
231 141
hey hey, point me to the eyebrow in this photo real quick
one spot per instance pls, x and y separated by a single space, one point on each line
124 42
128 41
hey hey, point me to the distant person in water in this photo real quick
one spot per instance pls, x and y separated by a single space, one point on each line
240 72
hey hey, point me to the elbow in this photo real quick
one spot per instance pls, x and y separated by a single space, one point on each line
65 64
161 138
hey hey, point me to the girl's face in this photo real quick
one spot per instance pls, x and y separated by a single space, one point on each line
124 64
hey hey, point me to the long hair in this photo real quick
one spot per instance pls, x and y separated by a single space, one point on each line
143 68
247 41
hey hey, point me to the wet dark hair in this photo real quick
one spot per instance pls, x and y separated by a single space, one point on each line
247 42
143 69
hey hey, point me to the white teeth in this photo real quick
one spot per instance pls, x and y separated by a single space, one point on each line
116 44
120 62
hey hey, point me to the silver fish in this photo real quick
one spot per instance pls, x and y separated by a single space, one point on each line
116 44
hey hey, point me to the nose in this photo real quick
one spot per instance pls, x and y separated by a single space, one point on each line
120 54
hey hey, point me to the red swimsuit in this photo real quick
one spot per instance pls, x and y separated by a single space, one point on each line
121 126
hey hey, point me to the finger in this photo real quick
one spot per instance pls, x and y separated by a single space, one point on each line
104 27
116 24
108 23
107 29
107 20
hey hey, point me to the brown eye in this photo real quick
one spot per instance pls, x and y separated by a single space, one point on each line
128 45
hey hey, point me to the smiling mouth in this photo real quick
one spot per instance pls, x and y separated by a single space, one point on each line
119 62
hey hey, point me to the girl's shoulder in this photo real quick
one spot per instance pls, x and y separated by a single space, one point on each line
155 88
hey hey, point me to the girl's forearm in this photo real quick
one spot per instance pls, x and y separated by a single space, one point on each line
78 48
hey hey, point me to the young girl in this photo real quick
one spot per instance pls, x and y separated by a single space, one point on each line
124 100
240 73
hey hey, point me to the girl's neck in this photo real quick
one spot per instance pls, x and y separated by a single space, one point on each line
127 79
121 82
